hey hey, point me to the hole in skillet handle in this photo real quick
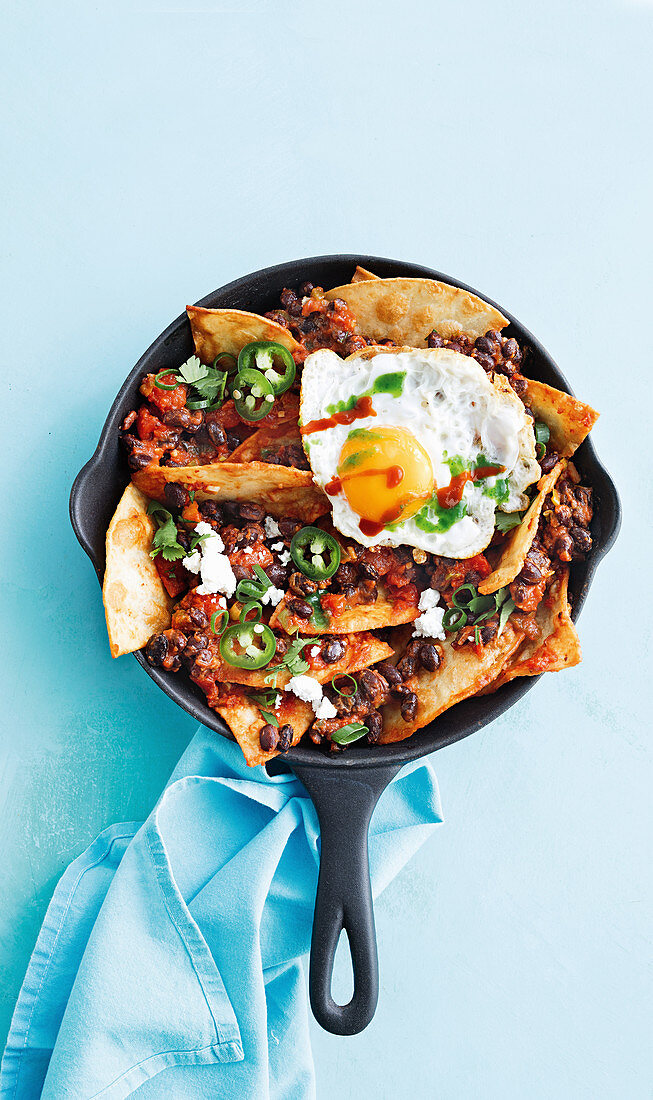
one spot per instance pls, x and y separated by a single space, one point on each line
344 801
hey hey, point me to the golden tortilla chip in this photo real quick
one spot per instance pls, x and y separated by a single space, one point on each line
407 310
362 275
135 602
365 616
362 651
246 722
462 673
557 646
254 447
568 420
216 330
282 490
520 540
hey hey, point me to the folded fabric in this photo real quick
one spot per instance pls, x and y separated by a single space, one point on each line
169 960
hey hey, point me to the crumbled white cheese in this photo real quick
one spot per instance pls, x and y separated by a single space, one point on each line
325 709
314 650
429 623
214 566
309 690
284 557
277 701
277 546
247 550
192 562
273 595
271 527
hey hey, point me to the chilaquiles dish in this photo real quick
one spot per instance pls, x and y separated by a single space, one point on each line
349 514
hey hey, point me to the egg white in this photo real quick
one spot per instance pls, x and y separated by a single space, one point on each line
451 407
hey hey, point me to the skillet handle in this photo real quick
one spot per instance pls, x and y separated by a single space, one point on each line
344 800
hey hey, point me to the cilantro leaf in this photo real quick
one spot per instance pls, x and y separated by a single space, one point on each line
192 370
211 384
293 661
506 611
164 540
505 521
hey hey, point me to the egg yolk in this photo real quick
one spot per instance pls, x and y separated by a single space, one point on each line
385 474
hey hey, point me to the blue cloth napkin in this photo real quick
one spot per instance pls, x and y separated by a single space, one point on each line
169 960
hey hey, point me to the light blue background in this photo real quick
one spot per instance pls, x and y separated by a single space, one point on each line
152 154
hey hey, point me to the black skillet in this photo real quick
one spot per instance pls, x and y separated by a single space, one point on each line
344 787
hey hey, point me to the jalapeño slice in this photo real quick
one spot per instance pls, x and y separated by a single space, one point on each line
253 394
248 645
315 552
273 360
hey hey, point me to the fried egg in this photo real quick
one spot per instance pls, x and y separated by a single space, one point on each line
416 447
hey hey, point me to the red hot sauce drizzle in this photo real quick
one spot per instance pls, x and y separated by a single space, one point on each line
361 409
452 494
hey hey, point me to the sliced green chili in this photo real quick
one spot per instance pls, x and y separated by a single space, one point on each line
248 645
253 394
268 358
453 619
315 552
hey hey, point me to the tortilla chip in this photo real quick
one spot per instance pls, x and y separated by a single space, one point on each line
254 447
246 722
568 420
362 651
362 275
462 673
364 616
216 330
557 646
520 540
135 602
282 490
407 310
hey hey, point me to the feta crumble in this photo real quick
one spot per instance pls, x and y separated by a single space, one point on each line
429 623
309 690
209 561
272 595
272 528
284 557
277 546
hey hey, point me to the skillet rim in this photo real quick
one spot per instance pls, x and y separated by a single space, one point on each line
465 718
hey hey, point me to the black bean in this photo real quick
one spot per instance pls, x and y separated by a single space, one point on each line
176 495
211 512
198 616
483 344
582 539
277 573
185 419
251 533
232 441
288 526
368 591
368 570
217 434
409 706
306 288
196 643
389 673
333 651
429 658
485 361
510 350
548 462
269 738
285 738
374 723
434 340
300 608
287 298
493 336
407 666
138 460
346 573
301 585
157 649
250 511
488 631
374 687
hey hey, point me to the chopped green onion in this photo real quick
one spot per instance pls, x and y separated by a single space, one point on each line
345 694
454 619
464 596
221 618
347 734
251 606
477 635
165 385
542 433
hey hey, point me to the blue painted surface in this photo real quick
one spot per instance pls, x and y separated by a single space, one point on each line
156 153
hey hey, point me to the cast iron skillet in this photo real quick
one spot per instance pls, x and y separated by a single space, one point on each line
344 787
